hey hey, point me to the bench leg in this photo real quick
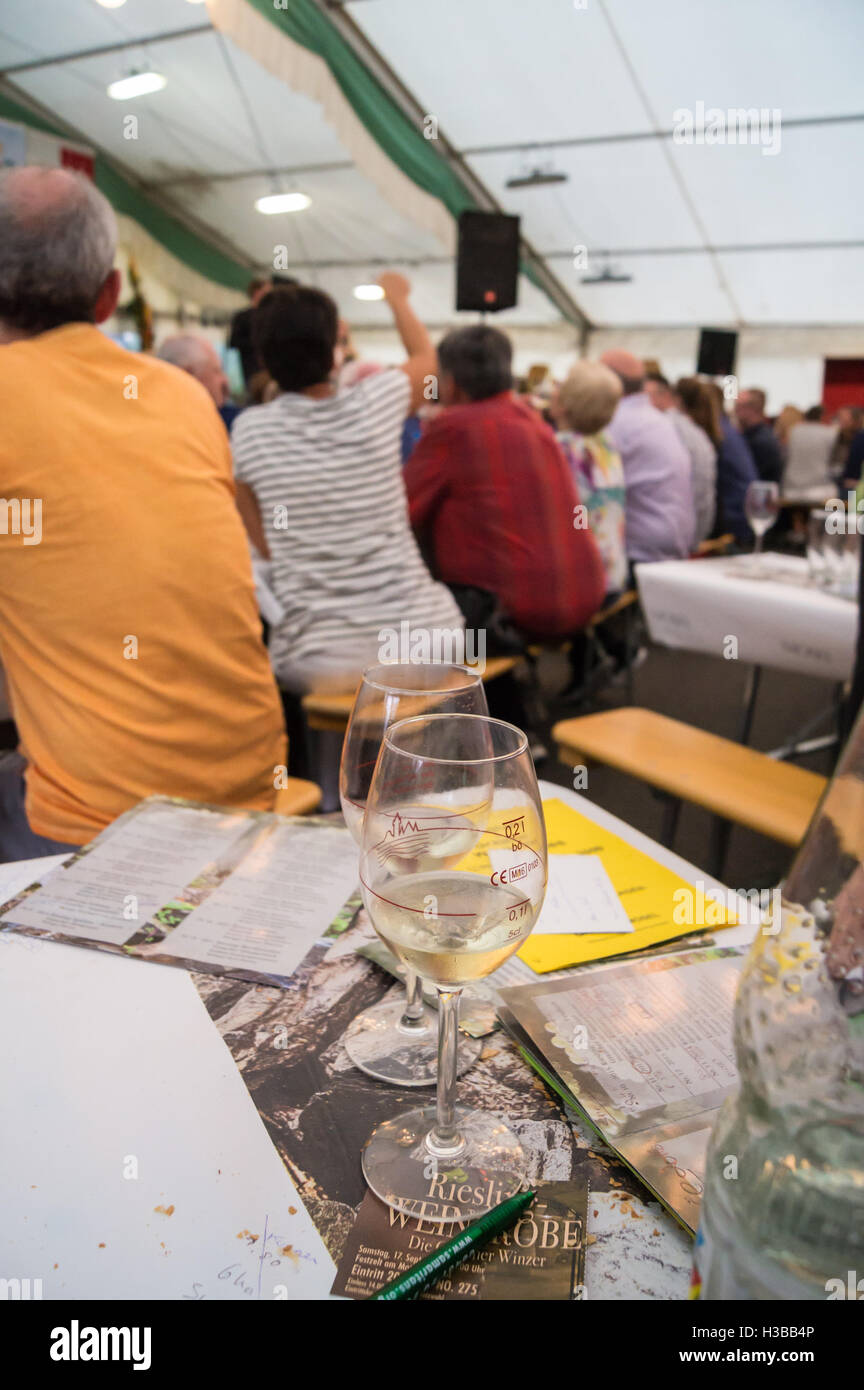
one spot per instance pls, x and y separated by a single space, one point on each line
671 813
720 832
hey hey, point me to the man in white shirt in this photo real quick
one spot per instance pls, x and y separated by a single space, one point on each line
659 506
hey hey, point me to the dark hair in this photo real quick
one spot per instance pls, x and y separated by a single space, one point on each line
701 405
479 359
257 284
659 378
814 414
294 331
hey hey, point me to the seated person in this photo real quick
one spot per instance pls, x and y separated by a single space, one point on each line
129 633
194 354
736 470
661 520
808 453
492 499
691 419
319 485
583 407
756 429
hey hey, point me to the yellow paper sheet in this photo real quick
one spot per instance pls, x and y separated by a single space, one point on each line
645 888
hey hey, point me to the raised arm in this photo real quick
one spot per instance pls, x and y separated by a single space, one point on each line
422 360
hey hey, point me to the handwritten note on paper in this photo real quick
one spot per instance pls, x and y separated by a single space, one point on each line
580 897
276 904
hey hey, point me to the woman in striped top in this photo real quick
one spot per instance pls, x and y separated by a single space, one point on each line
319 484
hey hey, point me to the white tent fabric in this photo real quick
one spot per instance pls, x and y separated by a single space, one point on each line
710 233
503 73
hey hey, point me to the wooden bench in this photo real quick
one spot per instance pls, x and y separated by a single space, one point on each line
736 783
720 545
330 713
298 798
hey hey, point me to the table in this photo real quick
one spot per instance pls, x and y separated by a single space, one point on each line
775 616
182 1136
781 620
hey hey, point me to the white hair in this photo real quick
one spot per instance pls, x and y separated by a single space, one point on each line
187 351
58 237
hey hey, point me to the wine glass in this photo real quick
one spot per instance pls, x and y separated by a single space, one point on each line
453 875
398 1042
761 506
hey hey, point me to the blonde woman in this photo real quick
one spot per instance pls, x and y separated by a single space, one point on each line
584 405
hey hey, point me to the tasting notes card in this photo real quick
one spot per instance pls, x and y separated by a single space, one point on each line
241 893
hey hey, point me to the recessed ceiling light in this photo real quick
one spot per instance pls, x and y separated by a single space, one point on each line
282 202
137 84
111 4
368 292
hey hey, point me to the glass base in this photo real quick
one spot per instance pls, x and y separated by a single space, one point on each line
401 1169
378 1043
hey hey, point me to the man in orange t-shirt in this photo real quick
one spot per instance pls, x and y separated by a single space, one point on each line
129 632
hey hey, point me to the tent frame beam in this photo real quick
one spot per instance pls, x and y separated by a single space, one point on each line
59 59
200 229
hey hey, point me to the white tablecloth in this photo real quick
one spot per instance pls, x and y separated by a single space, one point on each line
120 1101
780 621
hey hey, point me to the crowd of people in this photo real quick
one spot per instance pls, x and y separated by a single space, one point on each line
431 494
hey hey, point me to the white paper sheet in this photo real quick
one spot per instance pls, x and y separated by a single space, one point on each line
118 1097
115 889
276 904
580 897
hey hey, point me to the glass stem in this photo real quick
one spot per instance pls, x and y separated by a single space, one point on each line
413 1018
757 549
444 1139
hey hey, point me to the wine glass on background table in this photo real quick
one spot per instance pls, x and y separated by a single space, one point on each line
761 507
398 1042
453 875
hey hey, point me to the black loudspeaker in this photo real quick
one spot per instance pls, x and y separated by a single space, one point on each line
487 266
717 350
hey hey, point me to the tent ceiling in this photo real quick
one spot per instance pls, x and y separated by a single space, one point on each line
591 91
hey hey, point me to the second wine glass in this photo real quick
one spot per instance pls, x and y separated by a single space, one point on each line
397 1042
761 507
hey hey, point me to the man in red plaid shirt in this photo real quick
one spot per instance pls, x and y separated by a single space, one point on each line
492 499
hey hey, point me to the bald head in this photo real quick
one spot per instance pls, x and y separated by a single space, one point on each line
200 359
630 370
58 236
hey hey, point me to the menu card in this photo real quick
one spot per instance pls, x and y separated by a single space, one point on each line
542 1257
240 893
645 1051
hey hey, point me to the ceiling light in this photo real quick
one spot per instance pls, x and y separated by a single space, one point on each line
282 202
536 178
137 84
368 292
111 4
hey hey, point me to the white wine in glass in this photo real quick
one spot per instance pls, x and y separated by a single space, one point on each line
453 874
398 1042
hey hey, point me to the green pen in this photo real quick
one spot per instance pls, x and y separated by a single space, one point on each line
429 1270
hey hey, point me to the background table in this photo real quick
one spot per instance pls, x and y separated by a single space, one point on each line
696 605
170 1135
